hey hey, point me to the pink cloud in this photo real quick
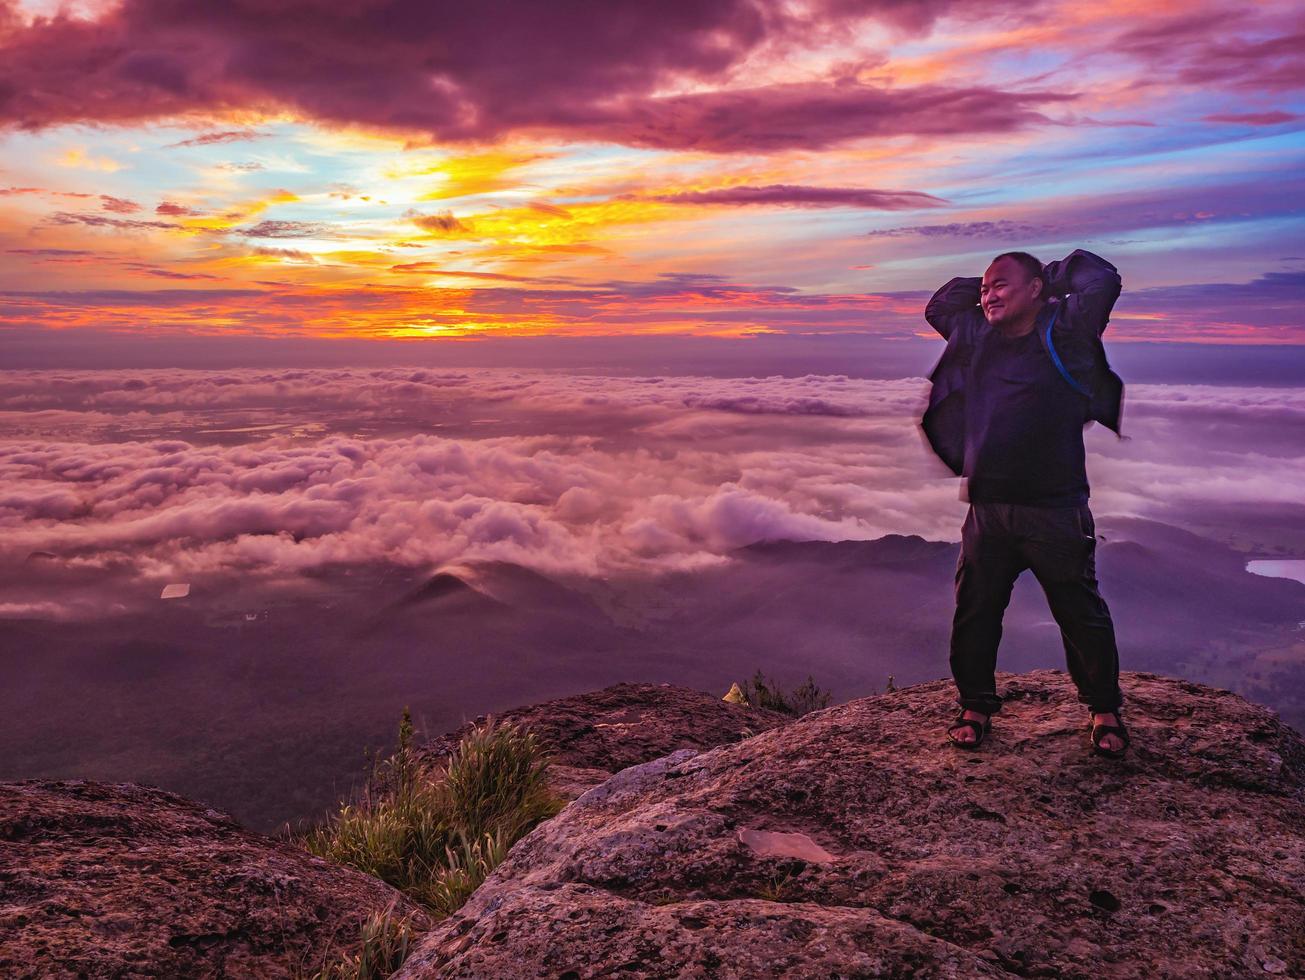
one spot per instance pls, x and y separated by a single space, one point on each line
50 253
809 197
1272 118
580 474
805 115
104 221
550 501
288 229
1091 215
1204 49
118 205
172 209
223 136
441 223
579 70
14 191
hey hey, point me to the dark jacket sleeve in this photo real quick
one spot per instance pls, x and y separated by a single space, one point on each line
959 297
1091 285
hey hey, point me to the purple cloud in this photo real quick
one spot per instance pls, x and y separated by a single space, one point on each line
791 195
577 474
1001 228
287 229
441 223
1272 118
225 136
175 210
1205 49
118 205
1088 216
49 252
579 71
808 115
103 221
1265 308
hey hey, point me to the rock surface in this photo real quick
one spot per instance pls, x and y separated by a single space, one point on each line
592 735
100 880
856 842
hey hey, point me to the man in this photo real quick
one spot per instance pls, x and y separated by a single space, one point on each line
1024 371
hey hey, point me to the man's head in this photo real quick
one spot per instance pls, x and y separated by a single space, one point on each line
1012 289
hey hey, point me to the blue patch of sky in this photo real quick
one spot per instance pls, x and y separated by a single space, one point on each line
1244 162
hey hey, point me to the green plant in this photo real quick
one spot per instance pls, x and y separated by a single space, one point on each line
663 896
763 693
436 832
466 866
808 697
398 827
384 942
777 889
497 781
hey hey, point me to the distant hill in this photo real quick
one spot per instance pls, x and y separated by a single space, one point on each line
262 697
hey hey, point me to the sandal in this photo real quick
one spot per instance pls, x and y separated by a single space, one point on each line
1099 730
980 729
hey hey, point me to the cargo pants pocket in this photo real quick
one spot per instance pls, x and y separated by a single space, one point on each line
1058 542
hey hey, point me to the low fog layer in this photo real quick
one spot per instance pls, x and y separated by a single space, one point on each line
463 541
175 476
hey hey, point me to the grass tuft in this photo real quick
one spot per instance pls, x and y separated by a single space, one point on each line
466 866
384 942
497 782
763 693
436 832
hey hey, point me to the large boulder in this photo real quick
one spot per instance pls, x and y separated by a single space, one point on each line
856 842
100 880
589 736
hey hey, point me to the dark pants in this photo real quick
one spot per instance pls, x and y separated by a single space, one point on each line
998 541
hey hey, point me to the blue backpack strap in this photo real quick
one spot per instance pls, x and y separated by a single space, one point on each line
1056 357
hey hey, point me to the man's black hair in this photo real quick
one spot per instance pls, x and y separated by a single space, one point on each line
1031 266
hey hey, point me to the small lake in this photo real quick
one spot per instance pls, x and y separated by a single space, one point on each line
1278 568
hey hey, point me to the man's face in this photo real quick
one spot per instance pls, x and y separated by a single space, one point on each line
1007 295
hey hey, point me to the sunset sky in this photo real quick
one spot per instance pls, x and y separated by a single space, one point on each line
361 354
302 168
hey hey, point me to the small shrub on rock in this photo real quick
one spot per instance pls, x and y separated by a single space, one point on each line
763 693
385 940
436 832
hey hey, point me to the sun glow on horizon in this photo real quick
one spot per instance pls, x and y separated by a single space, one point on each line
811 181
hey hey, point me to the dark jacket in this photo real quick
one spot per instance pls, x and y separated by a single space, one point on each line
1081 289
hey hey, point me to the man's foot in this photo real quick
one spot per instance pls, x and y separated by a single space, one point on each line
966 733
1110 742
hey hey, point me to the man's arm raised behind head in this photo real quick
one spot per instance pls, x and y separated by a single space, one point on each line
1092 284
958 297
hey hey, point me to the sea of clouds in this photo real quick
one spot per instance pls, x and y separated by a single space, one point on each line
177 475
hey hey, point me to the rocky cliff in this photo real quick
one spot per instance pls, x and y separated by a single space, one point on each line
101 880
104 880
855 842
707 839
590 736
